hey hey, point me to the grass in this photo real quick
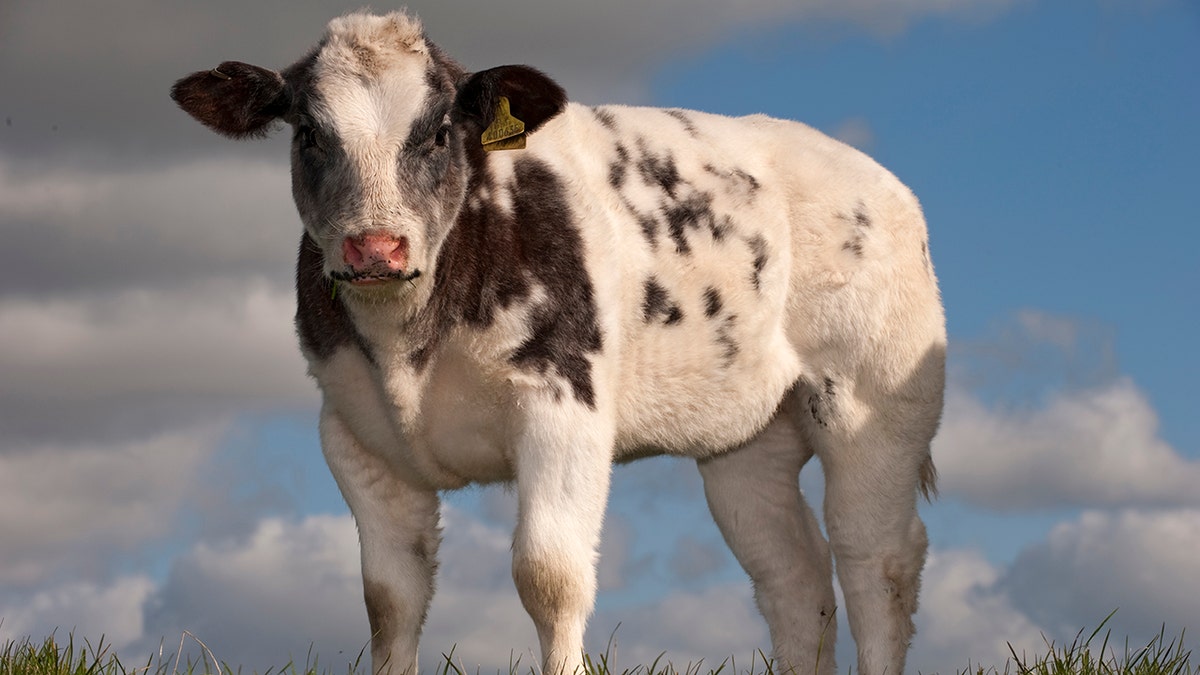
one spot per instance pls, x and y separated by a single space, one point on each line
1161 656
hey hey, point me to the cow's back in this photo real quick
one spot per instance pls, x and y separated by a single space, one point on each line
733 257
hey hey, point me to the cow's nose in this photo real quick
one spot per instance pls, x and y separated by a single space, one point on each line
373 249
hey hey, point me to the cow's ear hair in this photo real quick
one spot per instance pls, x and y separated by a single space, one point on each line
532 96
234 99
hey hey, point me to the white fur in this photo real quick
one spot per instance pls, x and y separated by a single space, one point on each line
871 323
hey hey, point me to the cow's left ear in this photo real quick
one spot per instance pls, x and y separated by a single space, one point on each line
533 97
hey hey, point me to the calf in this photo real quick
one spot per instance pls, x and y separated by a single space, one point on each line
497 285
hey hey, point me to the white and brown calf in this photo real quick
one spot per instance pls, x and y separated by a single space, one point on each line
744 292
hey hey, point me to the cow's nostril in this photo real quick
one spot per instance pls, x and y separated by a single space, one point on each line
352 252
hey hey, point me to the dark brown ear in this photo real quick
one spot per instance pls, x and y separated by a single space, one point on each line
533 97
234 99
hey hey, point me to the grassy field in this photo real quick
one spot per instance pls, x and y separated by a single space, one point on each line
1093 655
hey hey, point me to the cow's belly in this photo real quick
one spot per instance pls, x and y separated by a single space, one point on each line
695 396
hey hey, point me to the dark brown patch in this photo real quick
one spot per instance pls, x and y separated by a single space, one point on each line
861 221
758 247
693 212
605 118
688 125
618 168
659 171
729 346
860 215
712 302
737 181
564 327
649 227
657 304
488 261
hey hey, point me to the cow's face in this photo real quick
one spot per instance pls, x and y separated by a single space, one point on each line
385 139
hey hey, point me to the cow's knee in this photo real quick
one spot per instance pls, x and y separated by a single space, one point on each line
551 586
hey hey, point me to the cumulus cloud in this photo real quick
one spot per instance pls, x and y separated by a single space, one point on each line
262 599
67 508
288 585
705 625
695 559
1143 563
1095 447
115 364
86 609
106 228
134 49
964 617
1038 417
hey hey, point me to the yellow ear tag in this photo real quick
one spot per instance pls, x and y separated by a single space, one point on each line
505 132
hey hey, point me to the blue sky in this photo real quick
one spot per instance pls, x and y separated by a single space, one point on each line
159 468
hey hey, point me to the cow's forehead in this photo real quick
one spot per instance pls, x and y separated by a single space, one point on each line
370 74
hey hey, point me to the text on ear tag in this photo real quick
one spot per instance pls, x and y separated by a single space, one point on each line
515 143
503 126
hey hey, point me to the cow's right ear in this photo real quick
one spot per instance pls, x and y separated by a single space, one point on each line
234 99
534 97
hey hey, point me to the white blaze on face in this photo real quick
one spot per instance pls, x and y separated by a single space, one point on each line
370 80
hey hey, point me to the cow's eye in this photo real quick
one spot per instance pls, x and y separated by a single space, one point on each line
307 138
442 136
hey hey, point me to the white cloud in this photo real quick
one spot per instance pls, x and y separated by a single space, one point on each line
1094 447
68 508
964 618
260 600
107 227
84 609
116 63
1146 563
80 363
695 559
708 625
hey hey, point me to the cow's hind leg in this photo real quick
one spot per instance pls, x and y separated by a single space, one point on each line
398 535
754 495
874 448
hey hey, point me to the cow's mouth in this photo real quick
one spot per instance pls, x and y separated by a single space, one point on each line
374 276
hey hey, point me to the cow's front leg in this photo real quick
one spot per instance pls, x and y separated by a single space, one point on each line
563 454
398 536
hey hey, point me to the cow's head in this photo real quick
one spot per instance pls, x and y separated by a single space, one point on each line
386 137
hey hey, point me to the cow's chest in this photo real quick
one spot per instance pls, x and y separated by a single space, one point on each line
447 424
